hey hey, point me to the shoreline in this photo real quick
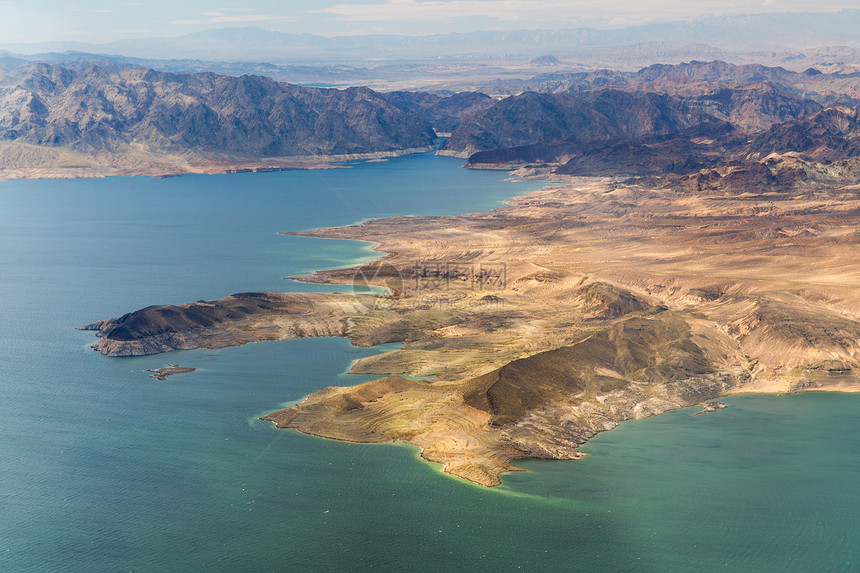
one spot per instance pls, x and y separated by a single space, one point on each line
164 166
596 321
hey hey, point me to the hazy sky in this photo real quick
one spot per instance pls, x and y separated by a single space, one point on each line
103 21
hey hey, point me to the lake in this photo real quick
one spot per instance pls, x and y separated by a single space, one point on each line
105 469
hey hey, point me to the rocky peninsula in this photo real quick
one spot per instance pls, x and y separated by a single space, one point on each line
529 329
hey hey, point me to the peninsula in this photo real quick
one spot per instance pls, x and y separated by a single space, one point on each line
529 329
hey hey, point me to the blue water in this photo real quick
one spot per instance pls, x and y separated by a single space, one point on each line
104 469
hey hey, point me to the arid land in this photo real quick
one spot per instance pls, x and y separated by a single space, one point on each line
25 161
529 329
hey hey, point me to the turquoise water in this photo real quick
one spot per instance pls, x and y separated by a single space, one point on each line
104 469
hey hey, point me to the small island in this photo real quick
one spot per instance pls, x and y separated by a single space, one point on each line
169 370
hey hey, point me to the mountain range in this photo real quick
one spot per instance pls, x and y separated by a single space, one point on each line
765 31
254 116
670 119
657 100
662 119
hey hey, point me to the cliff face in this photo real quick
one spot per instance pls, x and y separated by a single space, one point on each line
96 109
443 113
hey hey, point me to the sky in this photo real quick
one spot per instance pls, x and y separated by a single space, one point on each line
99 21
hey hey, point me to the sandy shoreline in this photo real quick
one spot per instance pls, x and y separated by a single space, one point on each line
21 161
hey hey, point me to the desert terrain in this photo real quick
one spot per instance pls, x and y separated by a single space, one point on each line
529 329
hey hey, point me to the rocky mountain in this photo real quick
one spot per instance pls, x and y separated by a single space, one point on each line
610 113
532 118
751 107
678 153
703 145
821 147
829 135
444 113
667 119
528 119
821 85
10 62
663 119
546 60
776 175
94 109
715 71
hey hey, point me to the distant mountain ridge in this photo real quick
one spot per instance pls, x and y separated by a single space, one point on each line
764 31
658 100
830 135
662 119
678 79
531 118
100 109
703 125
